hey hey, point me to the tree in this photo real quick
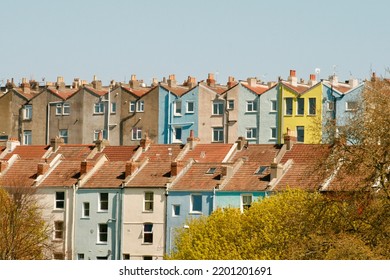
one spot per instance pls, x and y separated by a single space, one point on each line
290 225
24 235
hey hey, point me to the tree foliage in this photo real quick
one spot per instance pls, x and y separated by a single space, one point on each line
289 225
24 234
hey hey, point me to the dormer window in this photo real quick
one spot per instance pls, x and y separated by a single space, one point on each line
211 170
261 170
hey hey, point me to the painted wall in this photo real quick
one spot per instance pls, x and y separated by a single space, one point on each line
269 118
226 199
342 114
248 119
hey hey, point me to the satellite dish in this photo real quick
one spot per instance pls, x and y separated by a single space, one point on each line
317 70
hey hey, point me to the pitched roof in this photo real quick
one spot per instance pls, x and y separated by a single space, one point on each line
119 153
63 93
99 92
137 91
257 88
246 179
177 90
110 174
153 174
22 173
161 152
214 152
28 152
65 173
198 179
259 153
219 89
75 152
299 88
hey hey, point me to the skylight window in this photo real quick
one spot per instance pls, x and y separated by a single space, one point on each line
211 170
261 170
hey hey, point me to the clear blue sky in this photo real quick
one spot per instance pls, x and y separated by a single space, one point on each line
264 39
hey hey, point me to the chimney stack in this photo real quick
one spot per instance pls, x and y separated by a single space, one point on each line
191 140
11 144
312 80
211 80
252 82
176 167
191 82
86 166
60 84
231 81
25 86
334 80
289 139
276 170
353 83
172 81
293 78
96 84
56 142
227 172
100 142
42 168
145 142
154 82
134 83
241 143
131 167
373 77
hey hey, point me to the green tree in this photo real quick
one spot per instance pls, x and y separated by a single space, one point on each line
24 235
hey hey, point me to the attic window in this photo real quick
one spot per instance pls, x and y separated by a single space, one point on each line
211 170
261 170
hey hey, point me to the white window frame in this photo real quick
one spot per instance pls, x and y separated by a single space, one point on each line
272 129
96 134
27 112
244 203
113 108
148 202
176 139
65 109
177 108
300 106
27 137
220 134
58 109
287 113
192 210
188 109
102 202
251 106
174 208
274 105
58 230
136 133
101 233
230 104
132 106
149 232
86 210
98 108
300 128
309 107
217 108
64 134
140 106
58 201
251 133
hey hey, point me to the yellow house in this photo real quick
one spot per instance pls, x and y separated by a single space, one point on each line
300 112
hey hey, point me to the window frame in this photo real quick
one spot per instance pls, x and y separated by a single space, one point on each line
310 107
290 111
251 133
217 108
64 136
147 235
136 133
176 207
274 103
177 110
220 134
113 108
27 112
98 108
148 202
27 137
300 106
140 106
244 204
348 109
300 128
102 202
273 129
330 105
58 232
132 106
86 210
188 111
194 203
251 106
59 201
101 234
230 104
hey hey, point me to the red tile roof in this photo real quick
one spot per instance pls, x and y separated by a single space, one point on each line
110 174
99 92
29 152
260 153
219 89
22 173
119 153
75 152
153 174
137 91
63 93
214 152
245 179
178 90
27 96
65 174
258 88
161 152
299 88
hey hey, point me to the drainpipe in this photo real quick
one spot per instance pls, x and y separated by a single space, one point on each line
73 217
65 244
169 118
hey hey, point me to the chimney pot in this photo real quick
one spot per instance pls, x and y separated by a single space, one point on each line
289 139
211 80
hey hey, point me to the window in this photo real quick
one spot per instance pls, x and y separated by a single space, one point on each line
132 106
217 134
300 106
330 105
27 112
58 230
126 257
312 106
246 200
113 108
273 133
96 133
251 106
80 257
63 133
66 109
148 201
103 202
289 106
274 107
177 108
211 170
58 109
147 258
140 106
261 170
85 210
27 137
196 203
251 133
300 134
60 200
176 210
230 104
351 105
102 233
58 256
177 133
148 233
98 108
136 133
101 258
190 107
217 107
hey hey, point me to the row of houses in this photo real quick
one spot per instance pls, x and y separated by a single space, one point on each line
126 202
167 111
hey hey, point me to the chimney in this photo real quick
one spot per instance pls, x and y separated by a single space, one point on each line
172 81
60 84
100 142
241 143
191 82
10 84
76 83
42 168
145 142
373 77
154 82
96 84
312 80
276 170
25 86
293 78
211 80
131 167
56 142
191 140
11 144
134 83
353 83
176 167
34 84
3 166
227 172
231 82
252 82
289 139
86 166
334 80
